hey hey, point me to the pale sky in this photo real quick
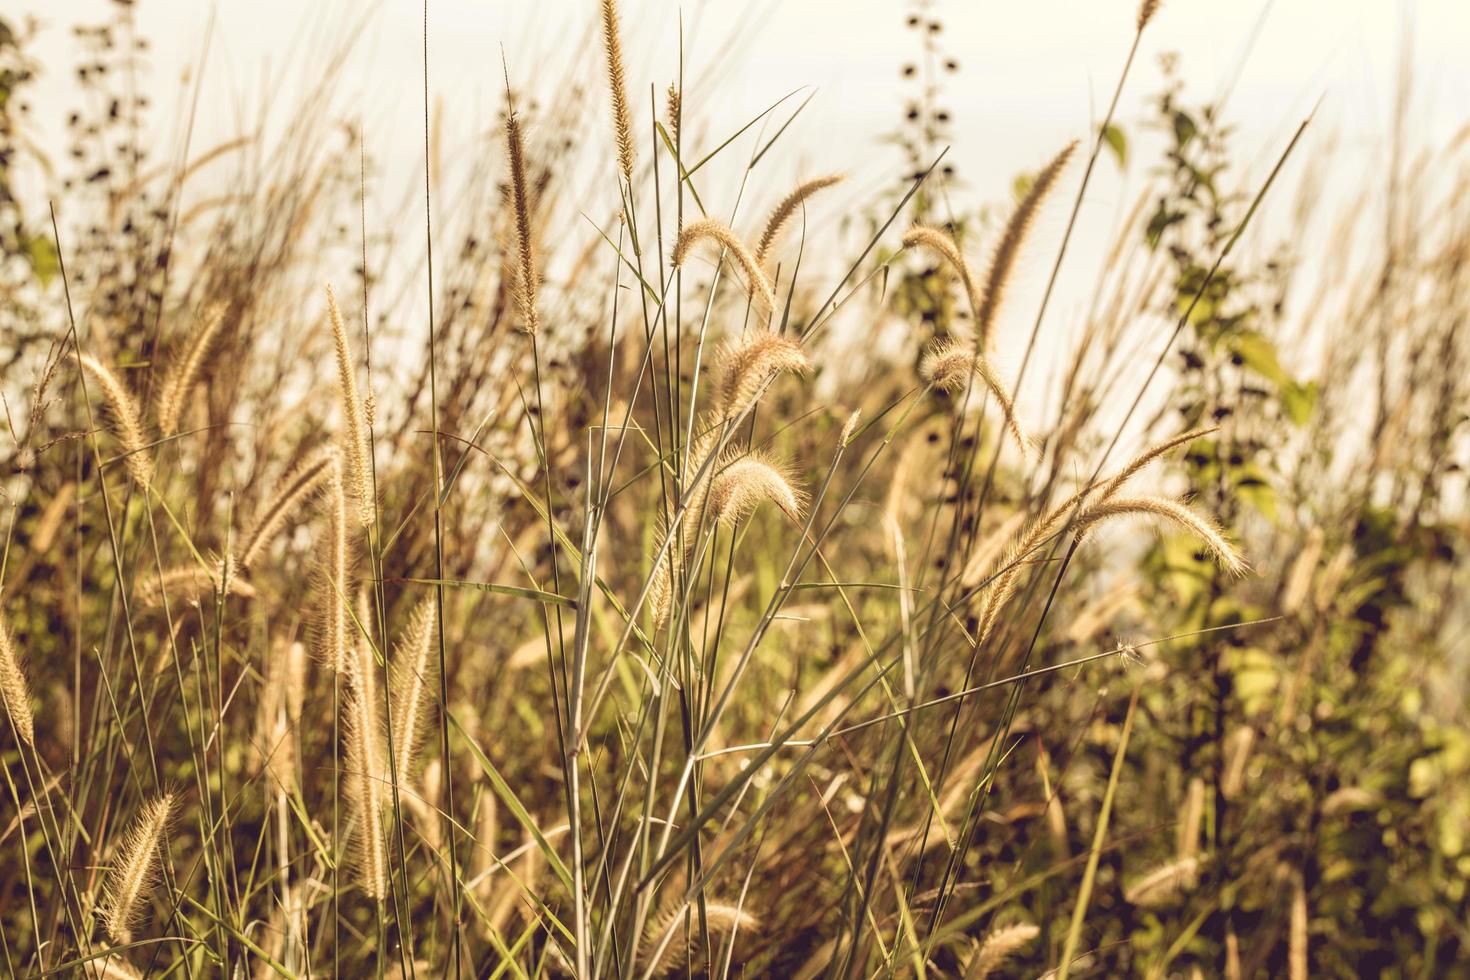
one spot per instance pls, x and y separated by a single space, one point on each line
1033 75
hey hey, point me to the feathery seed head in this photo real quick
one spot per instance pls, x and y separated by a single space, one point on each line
134 868
185 370
849 428
356 450
748 366
942 244
14 690
947 364
1146 11
1162 885
746 482
1003 259
129 428
787 209
711 229
1174 512
526 279
999 946
618 88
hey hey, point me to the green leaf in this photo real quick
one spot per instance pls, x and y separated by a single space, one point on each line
1258 354
1112 135
41 253
1298 401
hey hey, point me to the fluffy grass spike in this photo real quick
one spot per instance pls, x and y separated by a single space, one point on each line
134 869
710 229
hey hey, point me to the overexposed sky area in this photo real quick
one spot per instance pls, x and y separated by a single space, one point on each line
1032 75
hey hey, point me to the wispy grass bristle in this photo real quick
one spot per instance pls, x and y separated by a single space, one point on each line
135 866
129 427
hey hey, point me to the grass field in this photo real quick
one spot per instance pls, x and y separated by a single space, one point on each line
631 613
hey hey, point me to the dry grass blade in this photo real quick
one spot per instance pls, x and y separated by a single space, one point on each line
134 869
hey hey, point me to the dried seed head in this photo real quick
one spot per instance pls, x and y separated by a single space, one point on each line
293 492
710 229
414 672
675 112
14 690
618 88
1225 553
947 364
849 428
999 946
1163 884
1148 456
365 769
1003 259
134 868
942 244
749 365
1146 11
786 209
129 428
354 439
665 952
746 482
526 279
189 584
185 371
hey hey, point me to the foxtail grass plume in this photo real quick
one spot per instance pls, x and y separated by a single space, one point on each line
748 481
356 450
942 244
1003 259
134 869
14 690
365 767
294 491
948 365
1148 456
665 949
526 279
849 428
999 946
617 81
786 209
746 367
1225 554
334 561
1146 11
413 674
185 370
190 583
675 111
129 428
710 229
1164 884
